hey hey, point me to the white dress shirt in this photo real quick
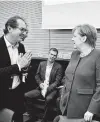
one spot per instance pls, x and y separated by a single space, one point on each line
47 76
13 53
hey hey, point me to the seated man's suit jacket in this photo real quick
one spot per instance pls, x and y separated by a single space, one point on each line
6 71
54 79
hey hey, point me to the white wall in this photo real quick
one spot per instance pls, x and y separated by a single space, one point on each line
68 15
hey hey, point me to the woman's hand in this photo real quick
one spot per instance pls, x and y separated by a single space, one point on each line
88 116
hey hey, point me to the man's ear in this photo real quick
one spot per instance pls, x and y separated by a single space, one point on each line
84 38
9 29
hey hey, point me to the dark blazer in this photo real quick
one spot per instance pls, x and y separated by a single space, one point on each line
82 85
55 76
7 70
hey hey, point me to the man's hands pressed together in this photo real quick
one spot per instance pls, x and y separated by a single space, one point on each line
24 60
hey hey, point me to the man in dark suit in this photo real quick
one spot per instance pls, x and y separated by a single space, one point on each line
48 77
12 61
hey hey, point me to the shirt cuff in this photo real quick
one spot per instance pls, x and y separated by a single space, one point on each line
19 67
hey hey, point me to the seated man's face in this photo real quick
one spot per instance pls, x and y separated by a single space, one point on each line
52 56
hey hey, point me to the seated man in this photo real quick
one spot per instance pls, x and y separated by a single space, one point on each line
48 77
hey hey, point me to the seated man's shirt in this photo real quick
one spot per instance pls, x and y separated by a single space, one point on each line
47 76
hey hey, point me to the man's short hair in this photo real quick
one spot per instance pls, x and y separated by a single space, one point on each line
12 22
54 49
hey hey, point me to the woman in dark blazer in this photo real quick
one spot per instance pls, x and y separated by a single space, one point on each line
80 96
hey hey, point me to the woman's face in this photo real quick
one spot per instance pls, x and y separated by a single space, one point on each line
77 39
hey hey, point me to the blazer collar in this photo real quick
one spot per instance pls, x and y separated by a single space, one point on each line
8 44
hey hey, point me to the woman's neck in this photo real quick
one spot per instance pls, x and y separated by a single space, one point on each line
85 50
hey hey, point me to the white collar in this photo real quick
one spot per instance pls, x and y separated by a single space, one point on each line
8 44
50 64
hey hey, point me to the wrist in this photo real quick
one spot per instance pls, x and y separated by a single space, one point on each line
19 67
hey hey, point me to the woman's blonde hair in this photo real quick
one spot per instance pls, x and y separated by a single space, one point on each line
89 31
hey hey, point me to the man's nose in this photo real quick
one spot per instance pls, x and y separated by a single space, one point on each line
53 56
25 34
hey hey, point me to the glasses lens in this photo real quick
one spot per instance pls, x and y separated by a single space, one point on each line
23 30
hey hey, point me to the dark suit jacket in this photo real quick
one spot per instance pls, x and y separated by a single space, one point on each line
82 85
55 76
7 70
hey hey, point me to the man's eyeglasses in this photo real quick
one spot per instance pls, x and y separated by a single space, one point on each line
23 30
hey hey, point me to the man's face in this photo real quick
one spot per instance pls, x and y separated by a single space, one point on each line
52 56
19 33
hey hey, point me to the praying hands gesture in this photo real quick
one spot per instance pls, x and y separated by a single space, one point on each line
24 60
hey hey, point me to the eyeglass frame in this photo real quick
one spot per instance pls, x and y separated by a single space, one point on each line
23 30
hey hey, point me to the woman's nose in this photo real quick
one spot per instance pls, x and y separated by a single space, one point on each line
72 39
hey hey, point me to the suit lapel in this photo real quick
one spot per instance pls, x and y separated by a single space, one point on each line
75 63
4 52
19 49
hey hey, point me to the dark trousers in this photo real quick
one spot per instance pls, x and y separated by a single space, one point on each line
32 95
15 102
